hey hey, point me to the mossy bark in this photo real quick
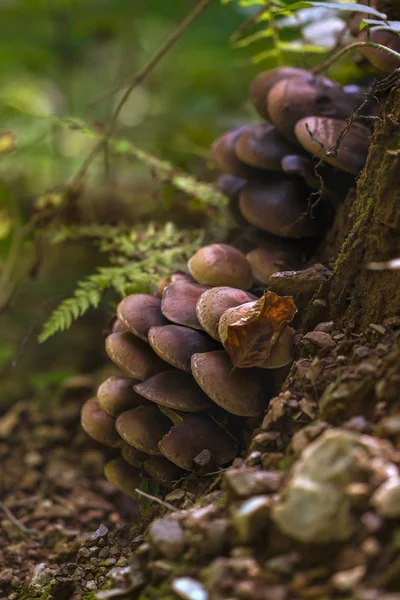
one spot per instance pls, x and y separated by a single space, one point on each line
356 295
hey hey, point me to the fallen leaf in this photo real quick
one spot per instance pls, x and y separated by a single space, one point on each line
250 331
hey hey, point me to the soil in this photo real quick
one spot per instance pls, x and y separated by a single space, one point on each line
66 532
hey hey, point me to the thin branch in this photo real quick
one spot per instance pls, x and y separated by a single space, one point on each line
326 64
158 500
14 520
132 84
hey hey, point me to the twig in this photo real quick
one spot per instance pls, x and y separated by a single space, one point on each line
155 499
14 520
132 84
327 63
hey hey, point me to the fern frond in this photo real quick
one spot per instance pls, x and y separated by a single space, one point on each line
145 255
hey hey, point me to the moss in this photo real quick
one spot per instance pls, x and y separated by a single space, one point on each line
25 592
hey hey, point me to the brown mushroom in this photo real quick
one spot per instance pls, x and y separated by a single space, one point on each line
214 302
162 283
143 427
175 344
238 391
179 303
381 60
262 84
118 327
132 455
123 476
98 425
279 207
353 148
291 100
139 312
174 389
133 356
116 394
224 153
303 167
260 145
220 264
162 470
193 434
265 262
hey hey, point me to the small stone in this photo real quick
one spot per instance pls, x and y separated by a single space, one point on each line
361 351
41 576
91 585
326 327
267 440
320 339
306 435
176 496
104 552
189 589
243 483
377 328
386 499
251 517
347 580
167 536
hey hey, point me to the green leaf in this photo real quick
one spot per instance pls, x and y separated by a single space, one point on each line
352 6
389 25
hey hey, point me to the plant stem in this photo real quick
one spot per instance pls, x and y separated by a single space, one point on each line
326 64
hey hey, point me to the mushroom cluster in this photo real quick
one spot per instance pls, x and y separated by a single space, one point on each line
179 403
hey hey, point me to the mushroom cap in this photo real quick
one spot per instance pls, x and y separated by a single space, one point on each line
282 352
118 327
139 312
116 394
223 150
162 470
143 427
174 389
265 262
230 185
175 344
179 303
291 100
221 265
133 356
132 455
214 302
381 60
191 435
263 82
238 391
162 283
98 425
279 207
353 148
261 146
123 476
302 166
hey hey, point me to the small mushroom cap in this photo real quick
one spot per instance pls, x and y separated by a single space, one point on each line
303 167
282 352
132 455
174 389
223 150
175 344
291 100
99 425
162 470
265 262
381 60
279 207
162 283
221 265
143 427
116 394
238 391
123 476
133 356
118 327
179 303
353 148
214 302
139 312
262 84
260 145
230 185
191 436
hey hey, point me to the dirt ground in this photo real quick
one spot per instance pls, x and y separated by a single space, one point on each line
65 532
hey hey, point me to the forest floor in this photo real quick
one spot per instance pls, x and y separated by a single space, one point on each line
65 532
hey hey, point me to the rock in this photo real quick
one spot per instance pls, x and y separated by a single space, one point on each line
326 326
301 285
386 499
41 576
314 507
189 589
243 483
167 536
320 339
251 517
